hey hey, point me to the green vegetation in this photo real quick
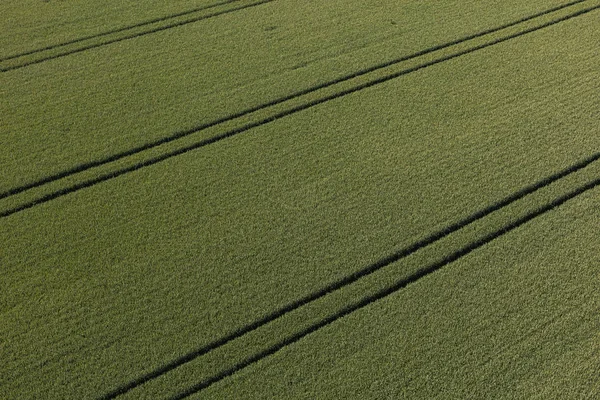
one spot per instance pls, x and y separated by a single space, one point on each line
106 283
516 319
32 24
140 90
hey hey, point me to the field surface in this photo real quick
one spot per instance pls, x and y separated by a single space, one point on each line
274 199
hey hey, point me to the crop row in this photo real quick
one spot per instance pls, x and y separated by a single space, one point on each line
118 35
357 80
161 279
99 104
534 209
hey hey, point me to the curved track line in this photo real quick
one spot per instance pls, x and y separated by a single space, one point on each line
422 273
125 28
133 36
179 135
349 279
214 139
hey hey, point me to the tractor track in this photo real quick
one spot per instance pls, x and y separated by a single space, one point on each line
276 115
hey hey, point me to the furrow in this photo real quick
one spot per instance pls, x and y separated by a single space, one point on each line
276 115
358 275
130 36
366 301
296 95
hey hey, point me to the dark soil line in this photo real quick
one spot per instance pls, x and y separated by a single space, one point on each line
125 28
133 36
214 139
349 279
178 135
387 291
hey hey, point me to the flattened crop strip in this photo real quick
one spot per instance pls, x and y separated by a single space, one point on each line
118 30
182 134
364 302
354 277
277 114
126 35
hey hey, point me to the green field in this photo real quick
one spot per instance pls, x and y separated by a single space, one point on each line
298 200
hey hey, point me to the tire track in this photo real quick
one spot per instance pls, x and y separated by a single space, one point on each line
399 285
135 35
182 134
105 177
346 281
118 30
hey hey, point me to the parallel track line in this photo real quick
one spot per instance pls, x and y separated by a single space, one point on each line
350 279
401 284
133 36
182 134
105 177
118 30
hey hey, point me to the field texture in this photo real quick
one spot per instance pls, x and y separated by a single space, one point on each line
276 199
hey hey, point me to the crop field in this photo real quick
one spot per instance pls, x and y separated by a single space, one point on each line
279 199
